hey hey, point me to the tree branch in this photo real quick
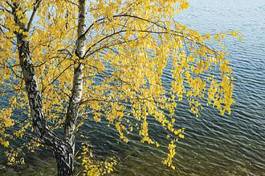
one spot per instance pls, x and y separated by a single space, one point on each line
35 8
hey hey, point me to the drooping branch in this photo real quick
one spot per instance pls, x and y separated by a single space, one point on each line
165 30
57 77
34 11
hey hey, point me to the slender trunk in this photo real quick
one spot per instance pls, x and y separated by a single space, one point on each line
64 150
77 90
61 149
72 113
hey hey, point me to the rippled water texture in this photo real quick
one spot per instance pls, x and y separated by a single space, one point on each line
214 145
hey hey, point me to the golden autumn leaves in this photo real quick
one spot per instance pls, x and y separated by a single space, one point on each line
129 45
5 122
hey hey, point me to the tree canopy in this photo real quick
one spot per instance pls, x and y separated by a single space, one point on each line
105 58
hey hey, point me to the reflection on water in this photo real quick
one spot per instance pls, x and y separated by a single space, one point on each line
214 145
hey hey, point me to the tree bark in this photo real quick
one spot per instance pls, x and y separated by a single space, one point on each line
64 163
77 90
61 149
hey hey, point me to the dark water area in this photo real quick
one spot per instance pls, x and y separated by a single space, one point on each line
214 145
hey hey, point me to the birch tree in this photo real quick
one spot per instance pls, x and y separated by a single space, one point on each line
52 54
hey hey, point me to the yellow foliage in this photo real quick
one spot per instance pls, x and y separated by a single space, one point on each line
128 47
171 153
92 167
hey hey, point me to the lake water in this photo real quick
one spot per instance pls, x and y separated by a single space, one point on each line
214 145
